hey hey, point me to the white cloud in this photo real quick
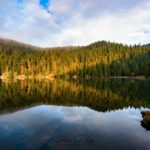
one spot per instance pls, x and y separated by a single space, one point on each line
127 27
74 22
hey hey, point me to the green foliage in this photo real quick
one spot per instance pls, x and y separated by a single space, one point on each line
100 59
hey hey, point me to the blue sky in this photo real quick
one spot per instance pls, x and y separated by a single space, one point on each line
44 3
75 22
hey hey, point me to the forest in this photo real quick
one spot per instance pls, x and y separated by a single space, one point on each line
100 59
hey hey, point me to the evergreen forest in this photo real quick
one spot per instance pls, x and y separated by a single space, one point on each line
99 59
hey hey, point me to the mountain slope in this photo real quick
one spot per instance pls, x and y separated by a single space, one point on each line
100 59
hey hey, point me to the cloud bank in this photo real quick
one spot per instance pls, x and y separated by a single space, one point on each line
75 22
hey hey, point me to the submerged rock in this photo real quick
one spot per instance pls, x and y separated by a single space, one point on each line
146 119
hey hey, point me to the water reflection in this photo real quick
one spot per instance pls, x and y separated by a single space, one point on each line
101 95
98 114
59 127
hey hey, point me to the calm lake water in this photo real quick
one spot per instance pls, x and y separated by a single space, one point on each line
60 114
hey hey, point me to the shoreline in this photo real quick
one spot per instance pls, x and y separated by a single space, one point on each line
131 77
52 77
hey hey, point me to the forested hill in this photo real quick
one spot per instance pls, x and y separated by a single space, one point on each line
10 46
100 59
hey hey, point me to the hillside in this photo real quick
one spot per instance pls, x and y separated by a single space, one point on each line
9 46
99 59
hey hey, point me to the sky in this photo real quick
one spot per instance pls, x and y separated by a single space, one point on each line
49 23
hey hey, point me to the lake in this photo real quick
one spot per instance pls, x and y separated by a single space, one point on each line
74 114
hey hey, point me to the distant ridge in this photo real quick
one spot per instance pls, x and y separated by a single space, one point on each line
102 43
6 42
